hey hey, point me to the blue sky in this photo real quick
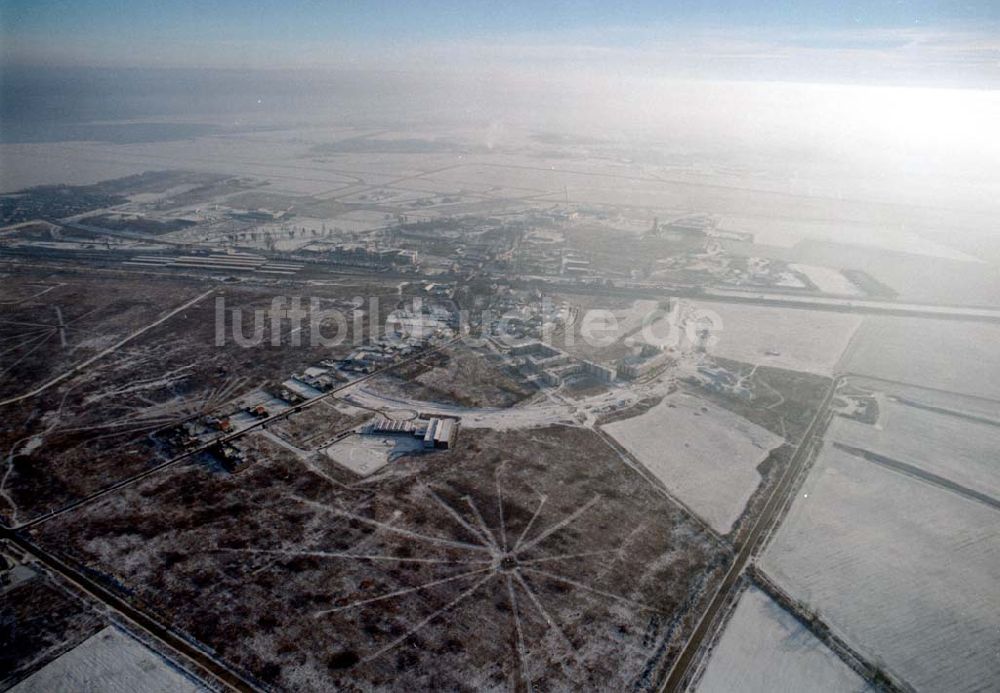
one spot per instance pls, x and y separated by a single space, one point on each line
440 19
689 38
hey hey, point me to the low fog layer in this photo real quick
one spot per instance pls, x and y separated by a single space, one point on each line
912 144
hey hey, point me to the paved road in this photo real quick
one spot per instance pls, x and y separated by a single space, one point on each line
203 663
831 304
314 269
224 439
706 625
201 660
111 349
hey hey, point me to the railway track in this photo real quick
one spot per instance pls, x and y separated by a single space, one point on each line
680 670
198 660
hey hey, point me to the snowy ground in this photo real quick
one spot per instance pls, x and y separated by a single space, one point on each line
300 388
957 449
538 414
705 455
799 340
828 280
631 318
787 234
906 572
364 454
545 408
946 354
764 648
108 662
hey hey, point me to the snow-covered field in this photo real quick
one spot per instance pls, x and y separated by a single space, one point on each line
631 319
364 454
799 340
108 662
906 572
789 233
946 354
764 648
705 455
959 450
828 280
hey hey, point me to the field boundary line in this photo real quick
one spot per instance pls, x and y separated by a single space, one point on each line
111 349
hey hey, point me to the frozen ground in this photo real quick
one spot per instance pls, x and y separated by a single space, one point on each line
947 354
828 280
765 649
961 404
301 389
906 572
957 449
541 410
705 455
776 232
364 454
108 662
799 340
630 319
511 562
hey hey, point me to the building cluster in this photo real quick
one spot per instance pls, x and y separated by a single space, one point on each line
421 321
371 254
442 290
312 382
379 354
407 333
689 225
546 364
573 264
231 457
55 202
539 254
436 432
314 379
550 366
525 315
723 381
646 359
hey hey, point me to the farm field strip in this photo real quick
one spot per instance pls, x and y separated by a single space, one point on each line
903 570
710 461
764 648
954 448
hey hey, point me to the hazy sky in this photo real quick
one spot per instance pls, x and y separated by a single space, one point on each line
902 94
943 43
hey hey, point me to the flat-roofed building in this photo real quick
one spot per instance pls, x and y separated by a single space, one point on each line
445 433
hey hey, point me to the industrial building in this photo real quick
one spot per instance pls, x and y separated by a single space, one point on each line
436 432
648 358
552 366
603 373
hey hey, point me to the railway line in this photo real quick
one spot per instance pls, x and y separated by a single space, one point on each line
677 676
